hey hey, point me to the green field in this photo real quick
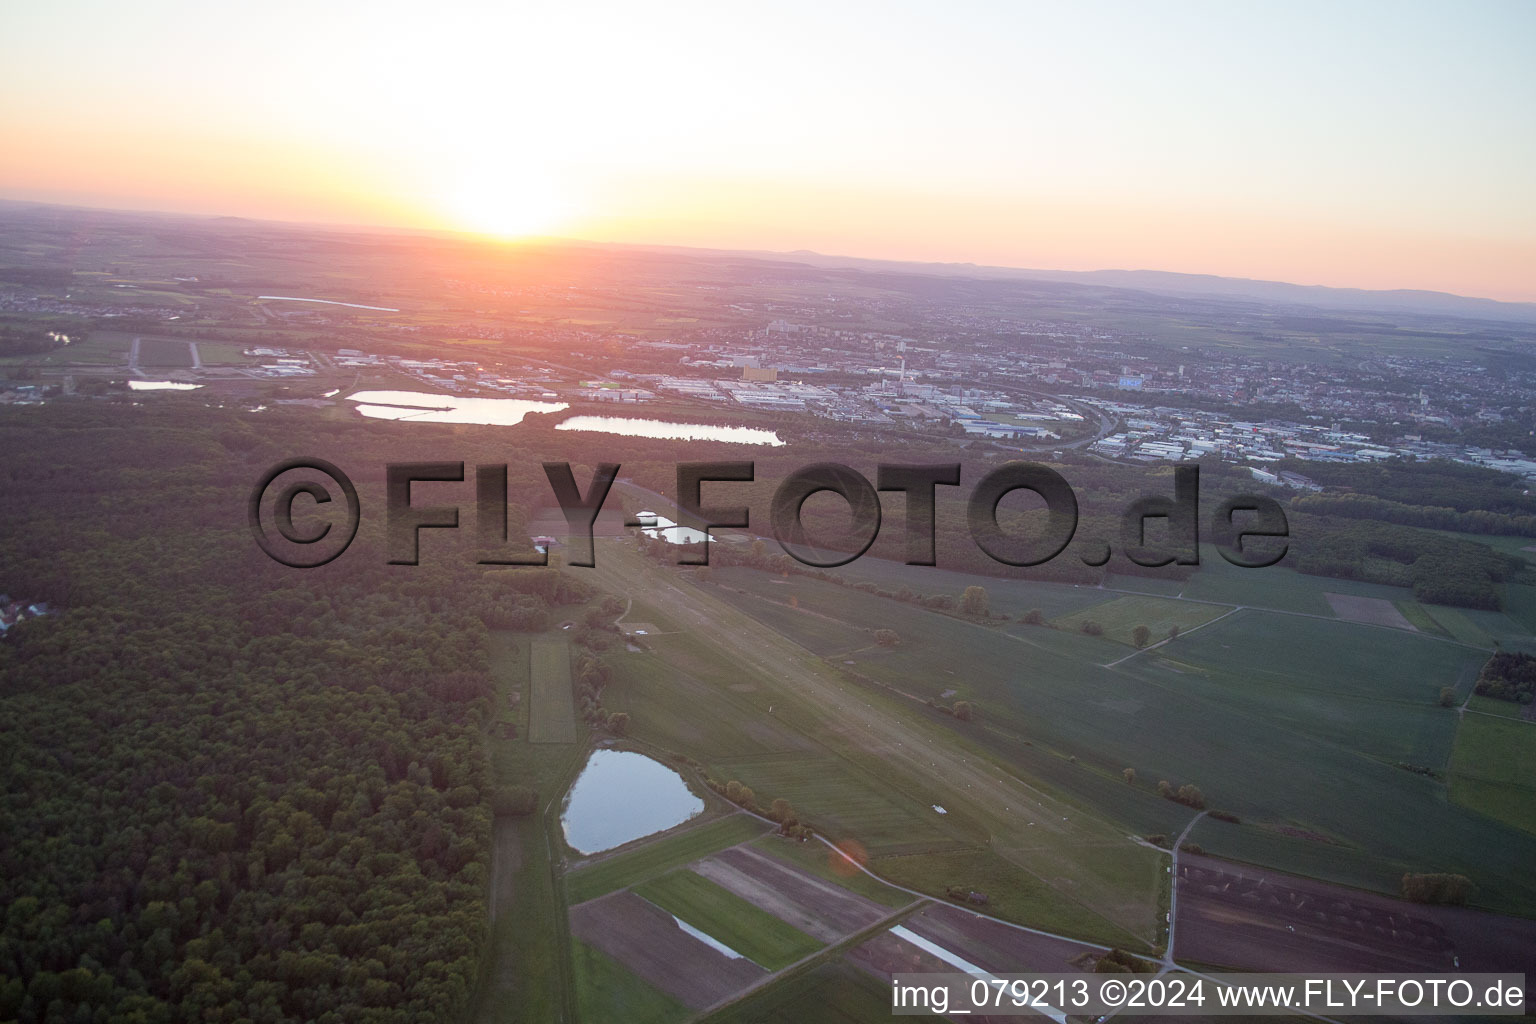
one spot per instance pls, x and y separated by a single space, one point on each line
1011 597
660 856
843 800
1296 720
722 915
1344 703
1120 617
1493 768
1459 625
831 993
99 348
164 352
1418 616
1491 706
551 710
215 353
607 991
817 859
1029 899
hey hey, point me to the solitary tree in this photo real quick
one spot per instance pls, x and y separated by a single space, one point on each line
780 811
1034 617
1173 631
1447 696
887 637
1140 635
963 710
1093 628
974 601
1130 775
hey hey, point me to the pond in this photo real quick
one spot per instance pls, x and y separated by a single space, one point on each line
621 796
422 407
160 385
670 431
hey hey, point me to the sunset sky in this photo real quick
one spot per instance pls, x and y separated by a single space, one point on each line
1376 145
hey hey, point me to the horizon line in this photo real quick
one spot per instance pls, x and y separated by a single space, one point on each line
1524 305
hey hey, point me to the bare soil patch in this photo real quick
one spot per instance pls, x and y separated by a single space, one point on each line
995 946
646 940
815 906
887 954
1252 919
1376 611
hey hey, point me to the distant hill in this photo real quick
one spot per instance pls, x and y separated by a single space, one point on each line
1402 299
1156 282
1161 282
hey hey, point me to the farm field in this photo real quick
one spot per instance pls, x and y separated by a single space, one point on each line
551 707
1376 611
660 856
99 348
826 909
831 993
1250 919
649 943
759 936
1349 701
804 704
817 860
1120 616
996 947
1459 624
893 753
768 909
1493 767
606 991
1012 597
1491 706
166 352
855 805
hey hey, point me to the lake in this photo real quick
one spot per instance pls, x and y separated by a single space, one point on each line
422 407
668 430
621 796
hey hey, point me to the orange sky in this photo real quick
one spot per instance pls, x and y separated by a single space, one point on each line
1376 146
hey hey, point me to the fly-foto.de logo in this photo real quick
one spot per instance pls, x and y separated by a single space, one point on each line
310 482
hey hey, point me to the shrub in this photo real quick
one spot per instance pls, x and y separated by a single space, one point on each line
514 802
1449 889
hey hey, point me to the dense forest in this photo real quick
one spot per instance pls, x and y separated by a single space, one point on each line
234 791
1429 483
1509 676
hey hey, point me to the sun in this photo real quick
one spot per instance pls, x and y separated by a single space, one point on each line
507 202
